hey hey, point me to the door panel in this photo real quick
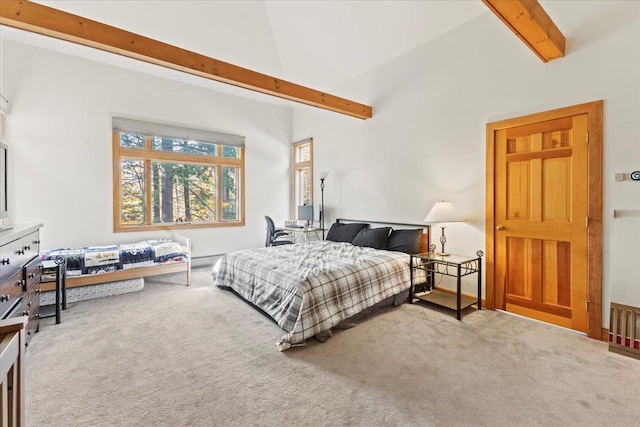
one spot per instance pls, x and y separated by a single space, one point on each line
556 200
541 201
518 186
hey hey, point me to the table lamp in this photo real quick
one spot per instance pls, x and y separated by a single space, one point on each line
442 212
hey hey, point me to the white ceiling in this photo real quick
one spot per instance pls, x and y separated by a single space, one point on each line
320 44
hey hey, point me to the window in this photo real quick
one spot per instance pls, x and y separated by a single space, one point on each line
303 173
167 176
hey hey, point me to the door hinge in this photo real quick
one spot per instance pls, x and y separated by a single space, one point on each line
587 137
587 302
586 223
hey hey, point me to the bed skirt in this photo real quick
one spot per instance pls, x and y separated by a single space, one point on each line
354 320
392 301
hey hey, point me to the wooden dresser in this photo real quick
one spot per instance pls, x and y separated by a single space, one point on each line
20 270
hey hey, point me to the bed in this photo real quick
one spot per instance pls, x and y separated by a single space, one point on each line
309 288
103 264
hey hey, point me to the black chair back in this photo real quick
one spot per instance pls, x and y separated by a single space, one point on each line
271 230
276 238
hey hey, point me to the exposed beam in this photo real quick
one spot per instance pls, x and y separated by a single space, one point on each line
52 22
528 20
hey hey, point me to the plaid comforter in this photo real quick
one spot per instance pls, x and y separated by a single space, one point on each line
309 288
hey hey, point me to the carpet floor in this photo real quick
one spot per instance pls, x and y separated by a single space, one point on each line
172 355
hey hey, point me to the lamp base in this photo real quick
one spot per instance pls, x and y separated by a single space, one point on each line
443 240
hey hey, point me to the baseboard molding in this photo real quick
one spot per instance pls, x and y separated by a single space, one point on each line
543 323
205 261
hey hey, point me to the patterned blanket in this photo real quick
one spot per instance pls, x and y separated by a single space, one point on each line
106 259
309 288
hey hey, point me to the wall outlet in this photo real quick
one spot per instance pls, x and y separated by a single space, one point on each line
619 177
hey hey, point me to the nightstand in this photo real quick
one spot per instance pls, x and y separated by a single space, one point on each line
55 271
456 266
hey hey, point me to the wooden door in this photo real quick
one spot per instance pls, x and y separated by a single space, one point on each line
539 265
541 215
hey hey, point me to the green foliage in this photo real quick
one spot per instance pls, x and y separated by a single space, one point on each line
179 192
132 193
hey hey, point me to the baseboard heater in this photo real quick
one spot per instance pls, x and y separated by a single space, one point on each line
624 330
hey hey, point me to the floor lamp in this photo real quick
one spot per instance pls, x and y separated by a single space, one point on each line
323 176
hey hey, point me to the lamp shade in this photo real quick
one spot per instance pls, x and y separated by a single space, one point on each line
443 212
324 174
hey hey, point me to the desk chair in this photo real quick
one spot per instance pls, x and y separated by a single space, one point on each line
276 238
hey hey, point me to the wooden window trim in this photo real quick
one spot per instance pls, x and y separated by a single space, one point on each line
297 166
147 154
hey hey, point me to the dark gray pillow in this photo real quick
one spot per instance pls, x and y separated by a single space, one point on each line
345 232
372 238
407 241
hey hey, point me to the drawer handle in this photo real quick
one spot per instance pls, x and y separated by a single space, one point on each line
27 248
28 332
5 261
4 298
18 282
29 304
25 313
31 275
36 242
20 252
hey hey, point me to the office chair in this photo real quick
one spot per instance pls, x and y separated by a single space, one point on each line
276 238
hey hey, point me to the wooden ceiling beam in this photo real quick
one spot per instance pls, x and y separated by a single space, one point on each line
48 21
528 20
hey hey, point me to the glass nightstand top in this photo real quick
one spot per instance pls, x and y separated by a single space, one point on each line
449 259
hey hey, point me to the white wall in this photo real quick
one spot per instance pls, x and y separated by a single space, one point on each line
426 140
59 131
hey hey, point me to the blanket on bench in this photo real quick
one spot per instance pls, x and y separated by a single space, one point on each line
106 259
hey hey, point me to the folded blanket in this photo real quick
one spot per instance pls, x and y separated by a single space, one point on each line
106 259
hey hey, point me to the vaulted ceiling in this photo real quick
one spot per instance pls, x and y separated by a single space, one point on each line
319 44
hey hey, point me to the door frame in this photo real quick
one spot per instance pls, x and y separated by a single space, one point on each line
594 209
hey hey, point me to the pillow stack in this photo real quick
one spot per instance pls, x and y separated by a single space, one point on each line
359 234
345 232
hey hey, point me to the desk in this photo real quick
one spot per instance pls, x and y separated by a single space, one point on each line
302 234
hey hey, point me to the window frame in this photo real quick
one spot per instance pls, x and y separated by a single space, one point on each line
299 166
149 155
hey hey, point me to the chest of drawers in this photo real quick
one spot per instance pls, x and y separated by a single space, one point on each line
20 270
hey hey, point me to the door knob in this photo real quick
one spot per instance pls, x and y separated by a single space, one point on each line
500 227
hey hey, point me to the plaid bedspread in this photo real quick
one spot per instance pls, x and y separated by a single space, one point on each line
309 288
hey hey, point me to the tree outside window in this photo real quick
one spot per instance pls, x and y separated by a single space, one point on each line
176 182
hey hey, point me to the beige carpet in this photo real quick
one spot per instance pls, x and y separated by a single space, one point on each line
176 356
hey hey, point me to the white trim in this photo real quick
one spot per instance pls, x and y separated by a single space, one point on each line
541 322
